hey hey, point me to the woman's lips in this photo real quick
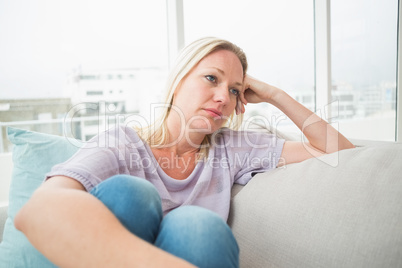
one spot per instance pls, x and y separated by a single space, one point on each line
213 112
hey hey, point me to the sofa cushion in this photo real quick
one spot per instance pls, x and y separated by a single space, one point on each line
339 210
33 155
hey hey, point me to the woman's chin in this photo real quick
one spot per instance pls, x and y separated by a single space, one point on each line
205 127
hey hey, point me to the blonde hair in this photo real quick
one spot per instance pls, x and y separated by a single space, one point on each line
156 134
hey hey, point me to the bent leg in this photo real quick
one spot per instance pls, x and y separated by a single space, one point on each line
134 201
199 236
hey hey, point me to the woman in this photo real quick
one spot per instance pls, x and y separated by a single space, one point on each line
160 196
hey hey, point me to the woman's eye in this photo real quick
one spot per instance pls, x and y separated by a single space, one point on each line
211 78
235 92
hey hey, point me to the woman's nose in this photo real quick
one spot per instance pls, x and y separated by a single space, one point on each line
222 95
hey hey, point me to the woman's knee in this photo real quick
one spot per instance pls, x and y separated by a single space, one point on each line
199 236
134 201
125 190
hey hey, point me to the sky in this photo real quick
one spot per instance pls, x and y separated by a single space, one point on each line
364 41
42 41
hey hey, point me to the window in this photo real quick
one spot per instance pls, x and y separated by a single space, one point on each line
73 52
364 60
61 54
94 92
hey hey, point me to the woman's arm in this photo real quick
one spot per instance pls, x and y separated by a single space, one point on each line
322 137
72 228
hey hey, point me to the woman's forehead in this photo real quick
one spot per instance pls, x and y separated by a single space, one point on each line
223 60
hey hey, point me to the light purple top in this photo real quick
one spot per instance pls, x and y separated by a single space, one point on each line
234 157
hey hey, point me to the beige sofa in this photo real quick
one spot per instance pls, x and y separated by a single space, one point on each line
339 210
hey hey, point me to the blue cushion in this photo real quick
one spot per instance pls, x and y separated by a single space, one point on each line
34 154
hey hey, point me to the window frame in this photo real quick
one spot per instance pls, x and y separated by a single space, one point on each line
175 28
398 122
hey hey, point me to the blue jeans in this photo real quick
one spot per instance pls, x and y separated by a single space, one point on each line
195 234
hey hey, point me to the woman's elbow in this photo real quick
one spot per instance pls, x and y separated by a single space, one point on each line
26 214
19 219
346 145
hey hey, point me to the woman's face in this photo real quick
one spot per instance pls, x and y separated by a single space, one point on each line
207 96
